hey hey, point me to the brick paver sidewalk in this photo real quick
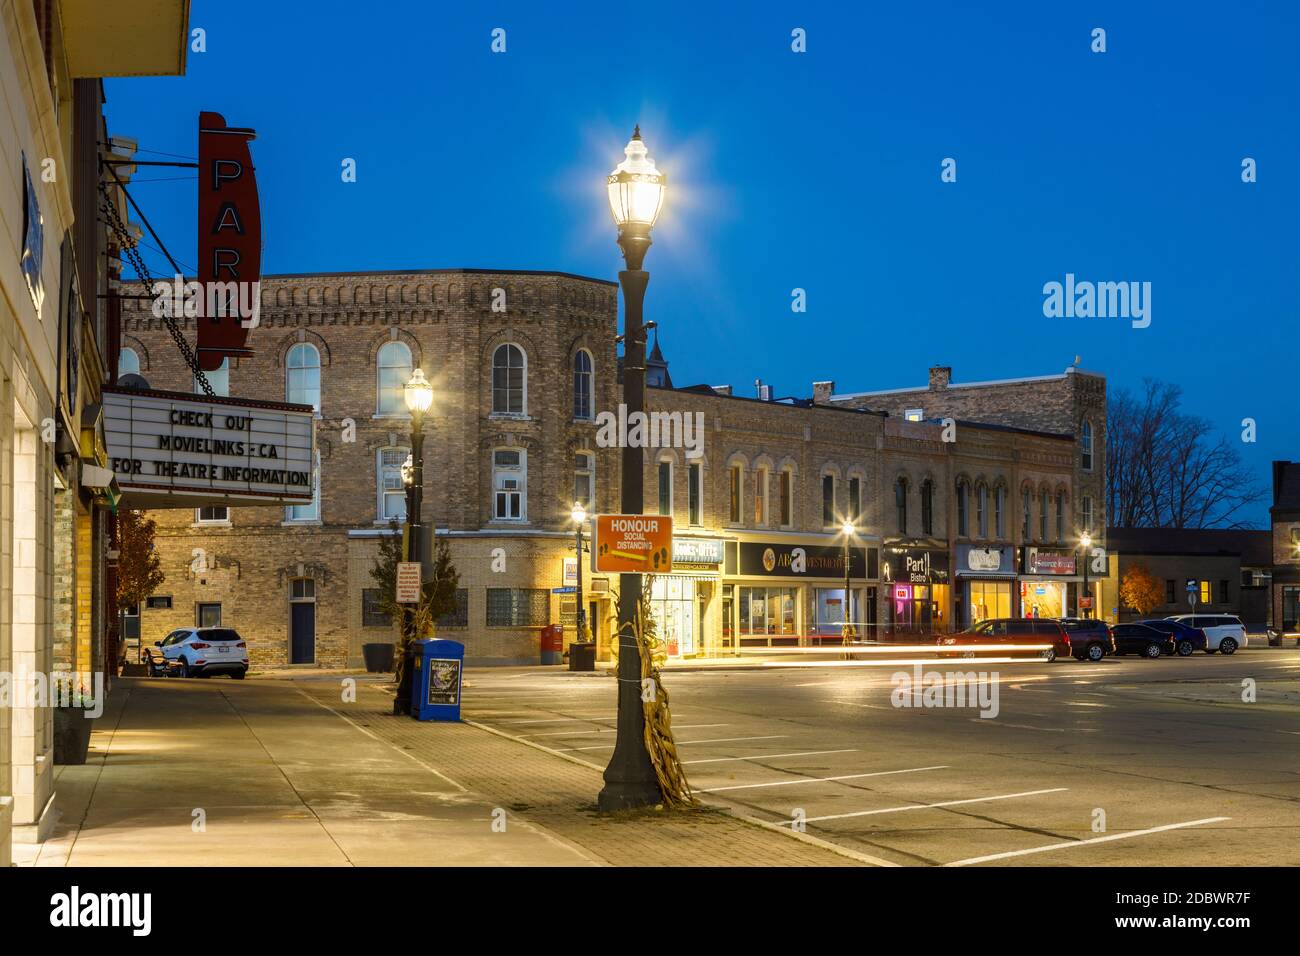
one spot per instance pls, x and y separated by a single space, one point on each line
560 795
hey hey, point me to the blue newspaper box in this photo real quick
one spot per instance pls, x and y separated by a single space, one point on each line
435 687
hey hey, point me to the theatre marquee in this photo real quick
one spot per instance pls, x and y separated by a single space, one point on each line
174 450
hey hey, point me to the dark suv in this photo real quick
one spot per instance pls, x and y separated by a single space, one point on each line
1091 639
1180 639
1017 630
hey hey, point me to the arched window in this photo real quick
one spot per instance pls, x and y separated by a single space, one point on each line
982 510
1085 445
900 504
999 511
1060 516
583 393
509 380
927 507
218 378
963 527
302 375
393 372
1042 515
128 363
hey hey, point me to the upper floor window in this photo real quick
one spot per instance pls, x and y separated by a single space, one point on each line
584 479
982 510
394 371
855 499
734 474
310 511
1085 514
927 507
128 363
390 488
509 380
999 508
785 493
1025 498
215 514
1085 445
828 500
760 497
900 504
695 493
218 378
962 527
1042 515
509 484
583 392
665 487
914 415
302 375
1060 516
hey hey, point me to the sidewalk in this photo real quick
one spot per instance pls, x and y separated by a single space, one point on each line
284 772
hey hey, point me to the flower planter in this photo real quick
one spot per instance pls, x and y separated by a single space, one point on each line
71 735
378 657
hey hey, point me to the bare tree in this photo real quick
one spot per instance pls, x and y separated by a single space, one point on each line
1168 469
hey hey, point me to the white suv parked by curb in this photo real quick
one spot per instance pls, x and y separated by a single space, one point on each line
1223 632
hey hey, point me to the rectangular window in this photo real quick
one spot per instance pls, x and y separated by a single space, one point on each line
392 490
1085 514
961 509
665 487
914 415
1060 517
735 495
1024 504
1171 592
1205 596
212 515
1223 592
999 506
460 616
509 484
855 499
207 615
159 602
1042 516
311 511
828 500
584 479
694 493
760 497
767 613
785 499
982 510
371 615
518 607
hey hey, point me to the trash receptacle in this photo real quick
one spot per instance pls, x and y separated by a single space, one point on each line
378 657
552 642
582 657
435 679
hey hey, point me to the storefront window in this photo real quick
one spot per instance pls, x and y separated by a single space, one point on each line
1290 608
830 611
918 608
1042 599
672 602
767 616
987 599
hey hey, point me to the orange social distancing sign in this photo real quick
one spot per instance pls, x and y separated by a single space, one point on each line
633 543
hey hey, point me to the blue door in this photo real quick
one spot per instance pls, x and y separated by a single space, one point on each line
302 632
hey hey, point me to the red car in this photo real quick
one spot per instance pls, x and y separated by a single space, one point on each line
1017 630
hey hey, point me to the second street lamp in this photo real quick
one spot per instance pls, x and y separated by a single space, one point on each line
1085 544
418 394
579 515
636 194
847 632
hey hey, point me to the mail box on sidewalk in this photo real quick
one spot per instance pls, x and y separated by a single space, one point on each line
552 641
435 687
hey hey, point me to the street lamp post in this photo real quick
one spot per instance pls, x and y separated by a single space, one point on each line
579 516
1085 542
418 394
636 194
847 631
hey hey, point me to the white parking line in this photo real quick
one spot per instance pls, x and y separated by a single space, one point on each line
554 720
1070 843
611 730
930 806
797 753
680 743
790 783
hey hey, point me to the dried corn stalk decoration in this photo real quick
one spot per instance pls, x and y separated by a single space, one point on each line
654 701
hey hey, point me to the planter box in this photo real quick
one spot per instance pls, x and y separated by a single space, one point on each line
71 735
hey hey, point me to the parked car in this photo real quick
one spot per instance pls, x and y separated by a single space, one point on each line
1139 639
1016 630
1180 638
1223 632
201 651
1090 638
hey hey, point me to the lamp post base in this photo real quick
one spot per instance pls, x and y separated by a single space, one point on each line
628 795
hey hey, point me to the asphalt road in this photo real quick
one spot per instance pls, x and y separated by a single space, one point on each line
1124 762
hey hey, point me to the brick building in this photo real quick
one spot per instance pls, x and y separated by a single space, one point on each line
522 364
1285 538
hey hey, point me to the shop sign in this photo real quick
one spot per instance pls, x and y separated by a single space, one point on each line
633 544
975 560
174 450
704 553
570 571
1049 562
800 560
914 565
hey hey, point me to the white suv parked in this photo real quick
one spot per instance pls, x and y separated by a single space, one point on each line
200 651
1223 632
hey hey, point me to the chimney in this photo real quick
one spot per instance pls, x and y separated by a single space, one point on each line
940 376
721 389
822 392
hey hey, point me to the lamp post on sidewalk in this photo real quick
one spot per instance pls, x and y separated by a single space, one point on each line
579 516
847 632
636 194
418 394
1085 542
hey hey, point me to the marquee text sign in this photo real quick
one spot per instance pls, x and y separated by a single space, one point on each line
173 450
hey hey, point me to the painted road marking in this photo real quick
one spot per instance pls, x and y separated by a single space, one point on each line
682 743
798 753
930 806
555 720
610 730
790 783
1070 843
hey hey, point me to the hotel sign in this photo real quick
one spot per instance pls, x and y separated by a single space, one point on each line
174 450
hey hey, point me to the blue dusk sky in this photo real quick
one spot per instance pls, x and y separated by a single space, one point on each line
816 170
